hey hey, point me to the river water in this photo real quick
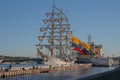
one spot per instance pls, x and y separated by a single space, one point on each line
63 75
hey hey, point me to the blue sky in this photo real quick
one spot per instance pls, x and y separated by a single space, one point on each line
20 21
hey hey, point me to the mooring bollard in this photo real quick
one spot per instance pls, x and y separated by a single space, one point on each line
3 75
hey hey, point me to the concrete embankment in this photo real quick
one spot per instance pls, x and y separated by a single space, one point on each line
18 71
109 75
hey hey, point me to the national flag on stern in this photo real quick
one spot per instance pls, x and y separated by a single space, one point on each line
79 46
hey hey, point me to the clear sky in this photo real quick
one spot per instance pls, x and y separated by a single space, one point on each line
20 21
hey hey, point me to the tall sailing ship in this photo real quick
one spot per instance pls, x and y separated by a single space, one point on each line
56 38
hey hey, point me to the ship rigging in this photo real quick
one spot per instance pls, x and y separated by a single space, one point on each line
56 35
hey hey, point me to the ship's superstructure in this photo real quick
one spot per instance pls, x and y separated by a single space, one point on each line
94 48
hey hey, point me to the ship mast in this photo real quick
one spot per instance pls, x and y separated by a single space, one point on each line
52 33
57 32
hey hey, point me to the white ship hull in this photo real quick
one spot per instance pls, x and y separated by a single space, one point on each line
105 62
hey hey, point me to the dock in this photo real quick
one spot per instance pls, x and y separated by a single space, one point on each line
19 71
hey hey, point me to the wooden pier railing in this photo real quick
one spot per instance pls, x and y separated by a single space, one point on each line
18 71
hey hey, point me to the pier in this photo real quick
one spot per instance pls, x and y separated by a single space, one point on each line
19 71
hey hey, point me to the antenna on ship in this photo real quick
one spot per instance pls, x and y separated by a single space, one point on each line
89 39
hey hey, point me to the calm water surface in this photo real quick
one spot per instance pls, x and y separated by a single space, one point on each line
63 75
